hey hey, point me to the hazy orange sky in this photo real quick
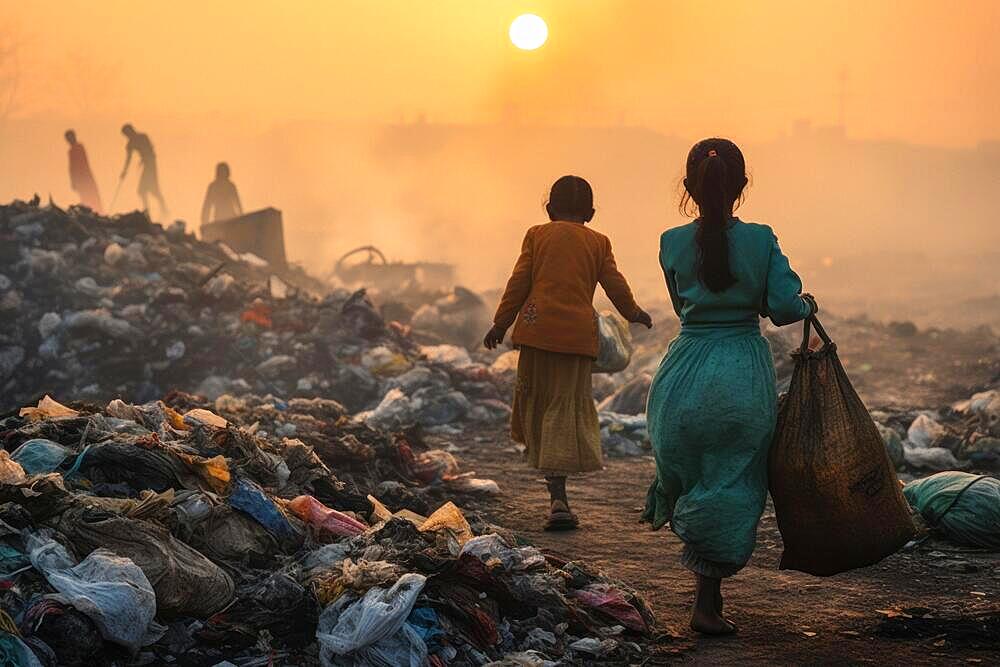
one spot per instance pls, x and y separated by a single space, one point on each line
918 70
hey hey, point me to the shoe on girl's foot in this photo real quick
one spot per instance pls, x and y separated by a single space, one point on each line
560 518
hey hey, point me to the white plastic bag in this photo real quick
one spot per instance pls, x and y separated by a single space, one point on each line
372 630
614 349
494 551
924 431
112 591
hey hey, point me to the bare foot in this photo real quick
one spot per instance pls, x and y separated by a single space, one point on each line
718 610
710 623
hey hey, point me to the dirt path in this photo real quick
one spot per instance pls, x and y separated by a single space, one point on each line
784 617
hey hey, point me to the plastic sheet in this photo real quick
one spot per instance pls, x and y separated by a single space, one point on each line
372 630
110 589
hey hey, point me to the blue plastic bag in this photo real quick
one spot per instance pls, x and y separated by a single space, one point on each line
250 499
39 456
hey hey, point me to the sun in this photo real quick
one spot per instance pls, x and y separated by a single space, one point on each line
528 32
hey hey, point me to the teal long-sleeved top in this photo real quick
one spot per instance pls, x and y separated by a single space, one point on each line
765 283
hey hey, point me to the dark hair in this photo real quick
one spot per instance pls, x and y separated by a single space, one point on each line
716 176
571 198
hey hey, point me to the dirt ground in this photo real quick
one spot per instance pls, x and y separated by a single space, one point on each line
784 617
935 603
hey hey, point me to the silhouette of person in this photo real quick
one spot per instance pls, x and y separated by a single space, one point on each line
222 201
149 183
81 179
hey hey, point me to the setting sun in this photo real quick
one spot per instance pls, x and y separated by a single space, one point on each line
528 32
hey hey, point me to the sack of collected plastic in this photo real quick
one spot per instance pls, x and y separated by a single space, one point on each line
614 344
836 496
109 589
372 630
963 506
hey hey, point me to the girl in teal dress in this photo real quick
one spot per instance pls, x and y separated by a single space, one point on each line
712 404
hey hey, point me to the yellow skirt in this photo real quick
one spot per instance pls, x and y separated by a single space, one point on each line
553 413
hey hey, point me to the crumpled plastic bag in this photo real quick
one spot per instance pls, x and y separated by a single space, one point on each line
433 466
186 583
383 362
932 458
47 408
39 455
522 659
448 355
925 431
893 444
249 498
986 406
427 406
506 363
357 577
203 417
494 552
214 471
324 519
449 518
373 630
108 588
614 344
611 601
11 471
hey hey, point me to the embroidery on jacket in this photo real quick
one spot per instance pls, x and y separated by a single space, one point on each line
530 314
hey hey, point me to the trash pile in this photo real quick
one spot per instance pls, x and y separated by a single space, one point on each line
100 308
961 436
191 532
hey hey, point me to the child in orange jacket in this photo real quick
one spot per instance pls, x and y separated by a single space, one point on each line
550 293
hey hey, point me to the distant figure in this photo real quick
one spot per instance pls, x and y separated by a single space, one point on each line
222 202
149 184
80 177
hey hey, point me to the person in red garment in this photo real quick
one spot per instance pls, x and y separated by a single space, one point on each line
80 177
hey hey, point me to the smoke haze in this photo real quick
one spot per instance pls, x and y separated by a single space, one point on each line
871 130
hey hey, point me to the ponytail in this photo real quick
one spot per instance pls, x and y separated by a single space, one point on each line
715 179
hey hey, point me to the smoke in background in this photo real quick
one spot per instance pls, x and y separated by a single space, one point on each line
883 228
416 127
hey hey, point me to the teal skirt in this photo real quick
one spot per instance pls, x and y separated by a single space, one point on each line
712 410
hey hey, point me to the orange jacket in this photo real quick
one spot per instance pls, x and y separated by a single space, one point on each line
551 289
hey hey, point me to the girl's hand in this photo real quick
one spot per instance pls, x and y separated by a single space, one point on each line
642 317
811 300
494 337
